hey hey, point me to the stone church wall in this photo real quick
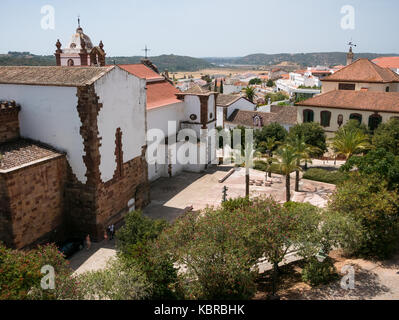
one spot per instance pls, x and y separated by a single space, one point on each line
32 200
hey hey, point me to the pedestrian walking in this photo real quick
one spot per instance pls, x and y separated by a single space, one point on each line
88 242
112 231
106 235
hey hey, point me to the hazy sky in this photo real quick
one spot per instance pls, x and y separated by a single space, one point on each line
202 28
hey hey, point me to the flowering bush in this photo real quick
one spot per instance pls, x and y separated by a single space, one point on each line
20 274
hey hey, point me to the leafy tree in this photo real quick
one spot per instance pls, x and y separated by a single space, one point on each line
136 243
313 134
287 159
250 93
349 141
272 131
221 86
216 85
368 201
255 81
386 136
380 162
270 83
304 153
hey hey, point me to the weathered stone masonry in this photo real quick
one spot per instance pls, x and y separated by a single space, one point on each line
92 206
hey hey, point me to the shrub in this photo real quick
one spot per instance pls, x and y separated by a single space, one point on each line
369 202
20 274
119 281
327 176
237 203
316 272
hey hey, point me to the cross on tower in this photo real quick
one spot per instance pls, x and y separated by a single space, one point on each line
146 51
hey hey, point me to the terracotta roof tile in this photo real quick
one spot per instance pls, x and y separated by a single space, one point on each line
224 100
22 152
363 70
286 115
160 94
52 76
141 71
356 100
387 62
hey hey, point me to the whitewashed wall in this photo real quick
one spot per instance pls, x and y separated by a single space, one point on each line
124 101
49 114
157 118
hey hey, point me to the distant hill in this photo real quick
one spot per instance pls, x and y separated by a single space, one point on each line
303 59
170 62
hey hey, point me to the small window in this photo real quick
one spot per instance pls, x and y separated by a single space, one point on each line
346 86
211 116
193 117
356 116
374 121
340 120
325 117
387 89
308 115
71 63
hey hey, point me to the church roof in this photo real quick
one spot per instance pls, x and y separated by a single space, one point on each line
141 71
75 45
52 76
22 153
363 70
355 100
160 94
225 100
197 90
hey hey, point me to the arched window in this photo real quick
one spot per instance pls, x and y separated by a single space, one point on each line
374 121
325 118
70 63
387 89
308 115
356 116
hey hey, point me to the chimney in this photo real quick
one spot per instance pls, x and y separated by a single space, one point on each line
349 57
9 122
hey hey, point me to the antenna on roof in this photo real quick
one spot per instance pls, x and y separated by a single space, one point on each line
146 51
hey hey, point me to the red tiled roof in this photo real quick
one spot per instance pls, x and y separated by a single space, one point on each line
141 71
363 70
23 152
161 94
387 62
357 100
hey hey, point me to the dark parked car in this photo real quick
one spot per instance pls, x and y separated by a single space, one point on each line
71 246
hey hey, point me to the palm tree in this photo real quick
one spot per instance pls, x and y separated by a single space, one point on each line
349 141
304 153
270 144
287 159
250 93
